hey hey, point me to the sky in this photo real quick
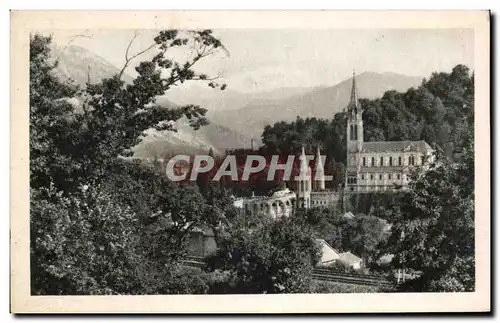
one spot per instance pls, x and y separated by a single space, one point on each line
263 60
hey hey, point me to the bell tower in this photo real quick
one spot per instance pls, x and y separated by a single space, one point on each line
354 138
354 119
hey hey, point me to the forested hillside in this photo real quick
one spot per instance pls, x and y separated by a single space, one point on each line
440 111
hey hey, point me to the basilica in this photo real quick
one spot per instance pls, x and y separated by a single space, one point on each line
378 165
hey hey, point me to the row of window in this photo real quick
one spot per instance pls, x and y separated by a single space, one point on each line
411 161
319 202
381 176
376 188
353 179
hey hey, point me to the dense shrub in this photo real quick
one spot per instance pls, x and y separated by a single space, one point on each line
277 257
320 287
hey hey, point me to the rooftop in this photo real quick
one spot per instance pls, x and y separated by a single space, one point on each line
400 146
349 258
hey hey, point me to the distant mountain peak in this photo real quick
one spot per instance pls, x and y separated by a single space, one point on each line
77 63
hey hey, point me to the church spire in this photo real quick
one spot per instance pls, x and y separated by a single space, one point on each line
304 182
303 161
354 106
319 172
354 115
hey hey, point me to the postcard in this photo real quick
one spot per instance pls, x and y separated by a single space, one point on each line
250 161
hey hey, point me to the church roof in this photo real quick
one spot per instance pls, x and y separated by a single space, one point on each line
400 146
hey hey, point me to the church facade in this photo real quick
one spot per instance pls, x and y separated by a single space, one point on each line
380 165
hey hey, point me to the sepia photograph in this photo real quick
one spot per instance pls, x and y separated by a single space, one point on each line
251 160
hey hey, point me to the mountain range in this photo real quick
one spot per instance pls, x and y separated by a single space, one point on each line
322 102
234 117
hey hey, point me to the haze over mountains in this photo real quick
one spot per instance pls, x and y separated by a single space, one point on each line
217 100
234 117
322 102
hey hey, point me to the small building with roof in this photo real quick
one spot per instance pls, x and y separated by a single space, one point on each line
330 255
351 260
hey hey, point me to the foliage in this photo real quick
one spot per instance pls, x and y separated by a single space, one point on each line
363 235
83 243
320 287
181 280
433 231
101 224
339 267
112 115
287 138
50 118
277 257
373 203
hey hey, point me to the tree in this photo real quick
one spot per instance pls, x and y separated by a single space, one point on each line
100 224
113 115
277 257
82 244
433 231
362 235
287 138
50 117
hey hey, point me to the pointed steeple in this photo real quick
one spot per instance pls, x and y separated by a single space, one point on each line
319 176
303 161
354 107
211 152
304 184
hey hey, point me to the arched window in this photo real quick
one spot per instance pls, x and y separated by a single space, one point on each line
390 161
381 161
355 132
400 161
364 161
373 161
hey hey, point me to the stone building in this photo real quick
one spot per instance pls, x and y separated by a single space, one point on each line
279 204
379 165
309 192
